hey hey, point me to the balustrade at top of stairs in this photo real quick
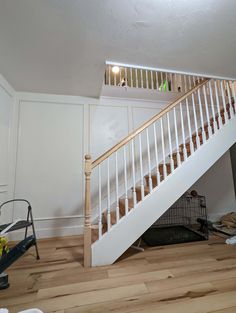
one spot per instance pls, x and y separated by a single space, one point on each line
170 137
155 80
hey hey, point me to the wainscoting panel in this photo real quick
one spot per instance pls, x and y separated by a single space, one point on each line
5 119
49 169
6 109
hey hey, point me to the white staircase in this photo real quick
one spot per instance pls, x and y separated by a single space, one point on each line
136 181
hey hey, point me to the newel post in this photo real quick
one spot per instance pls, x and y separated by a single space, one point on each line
87 212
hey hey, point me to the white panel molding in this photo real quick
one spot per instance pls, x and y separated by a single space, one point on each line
111 101
3 188
6 86
14 130
42 229
59 231
6 186
57 99
58 217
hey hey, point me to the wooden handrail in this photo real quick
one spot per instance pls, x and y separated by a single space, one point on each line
124 141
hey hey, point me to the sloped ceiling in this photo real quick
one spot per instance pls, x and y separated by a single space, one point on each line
60 46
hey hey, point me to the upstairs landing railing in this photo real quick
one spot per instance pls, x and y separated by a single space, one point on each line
156 80
155 149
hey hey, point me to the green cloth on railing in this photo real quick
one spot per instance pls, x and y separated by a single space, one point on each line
164 86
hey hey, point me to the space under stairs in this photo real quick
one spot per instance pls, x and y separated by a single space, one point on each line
130 186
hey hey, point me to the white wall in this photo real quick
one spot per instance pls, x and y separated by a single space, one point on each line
218 187
48 168
6 115
52 134
44 139
118 117
233 161
51 142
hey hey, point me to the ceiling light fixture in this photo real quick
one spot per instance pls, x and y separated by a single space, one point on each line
115 69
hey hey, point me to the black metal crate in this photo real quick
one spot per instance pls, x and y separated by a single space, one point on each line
184 221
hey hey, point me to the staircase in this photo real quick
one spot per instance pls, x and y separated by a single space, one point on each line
130 186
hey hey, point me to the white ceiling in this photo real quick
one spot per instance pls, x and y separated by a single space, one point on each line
60 46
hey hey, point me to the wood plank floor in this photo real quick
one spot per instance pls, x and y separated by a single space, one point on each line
189 278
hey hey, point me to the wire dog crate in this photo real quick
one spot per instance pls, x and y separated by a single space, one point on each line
184 221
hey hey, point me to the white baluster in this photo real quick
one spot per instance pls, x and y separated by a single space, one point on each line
195 122
175 83
172 167
126 77
190 83
234 94
161 81
156 155
201 117
230 100
100 202
136 77
147 84
117 189
133 172
212 108
167 83
152 85
171 82
210 132
218 104
181 83
131 77
126 184
183 132
177 140
105 76
163 150
157 83
226 117
141 77
120 76
108 197
185 84
189 128
141 165
109 75
149 161
114 79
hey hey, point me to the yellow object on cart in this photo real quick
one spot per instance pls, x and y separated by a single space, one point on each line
3 246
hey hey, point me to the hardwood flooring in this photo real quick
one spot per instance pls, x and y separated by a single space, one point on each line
188 278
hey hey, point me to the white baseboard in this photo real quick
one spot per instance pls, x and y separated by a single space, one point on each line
48 232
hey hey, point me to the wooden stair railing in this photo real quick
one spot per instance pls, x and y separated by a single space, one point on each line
187 133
